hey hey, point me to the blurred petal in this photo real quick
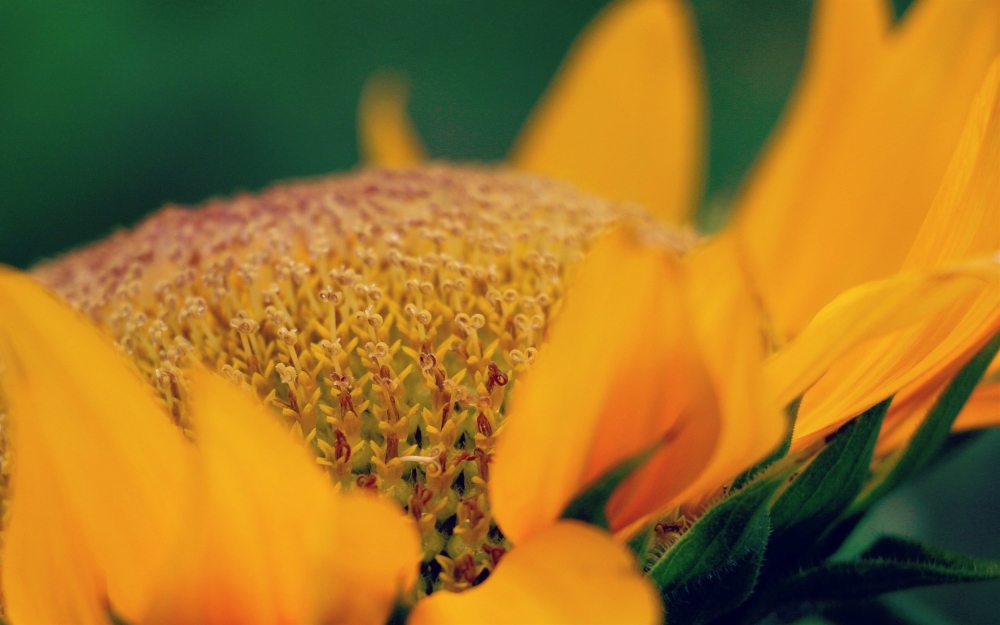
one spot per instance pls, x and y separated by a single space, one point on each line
386 136
617 373
875 310
100 475
567 573
269 541
623 118
742 426
964 220
982 410
866 168
883 367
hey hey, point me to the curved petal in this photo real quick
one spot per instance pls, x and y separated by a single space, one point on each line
952 319
853 210
883 367
269 541
964 220
875 310
742 425
623 118
386 135
617 373
100 474
568 573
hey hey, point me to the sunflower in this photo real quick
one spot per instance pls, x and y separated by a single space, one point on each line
518 389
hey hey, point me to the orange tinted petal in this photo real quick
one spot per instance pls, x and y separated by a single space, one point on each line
100 474
846 38
618 370
866 186
567 573
964 220
905 416
883 367
623 118
871 311
719 439
386 135
982 410
269 540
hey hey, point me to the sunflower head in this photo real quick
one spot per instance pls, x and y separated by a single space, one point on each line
384 315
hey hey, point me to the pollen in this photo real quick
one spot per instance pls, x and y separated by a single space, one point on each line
384 316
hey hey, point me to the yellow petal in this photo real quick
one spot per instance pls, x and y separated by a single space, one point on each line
858 177
617 373
883 367
623 118
964 220
386 135
269 541
100 474
845 41
568 573
874 310
982 410
741 426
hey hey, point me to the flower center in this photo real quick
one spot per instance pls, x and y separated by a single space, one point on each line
385 315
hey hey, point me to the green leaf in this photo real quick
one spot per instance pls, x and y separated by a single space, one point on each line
717 539
826 487
708 596
792 411
589 505
891 564
930 439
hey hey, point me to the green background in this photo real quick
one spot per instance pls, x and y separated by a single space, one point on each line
110 108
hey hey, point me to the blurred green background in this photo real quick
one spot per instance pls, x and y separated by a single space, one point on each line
110 108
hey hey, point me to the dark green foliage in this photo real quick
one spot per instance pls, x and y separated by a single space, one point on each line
826 487
889 565
761 557
713 568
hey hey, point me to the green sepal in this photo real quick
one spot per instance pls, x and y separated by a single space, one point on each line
792 412
825 488
933 434
889 565
716 593
589 505
717 540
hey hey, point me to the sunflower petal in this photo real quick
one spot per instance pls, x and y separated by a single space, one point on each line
981 411
269 540
623 118
620 350
100 476
871 311
568 573
964 220
868 182
386 135
720 439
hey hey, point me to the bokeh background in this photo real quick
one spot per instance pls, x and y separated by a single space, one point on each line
110 108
